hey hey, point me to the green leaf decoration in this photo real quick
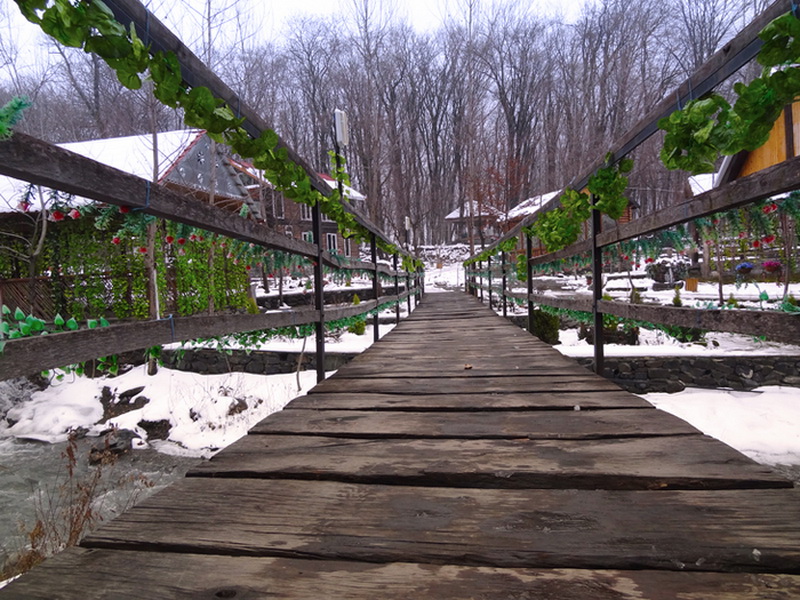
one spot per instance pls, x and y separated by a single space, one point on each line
37 325
104 322
6 310
92 323
72 324
19 315
58 321
24 329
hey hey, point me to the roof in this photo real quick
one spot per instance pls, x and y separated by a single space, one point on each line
478 210
134 155
529 206
349 192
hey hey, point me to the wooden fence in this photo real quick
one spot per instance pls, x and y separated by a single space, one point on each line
777 179
38 162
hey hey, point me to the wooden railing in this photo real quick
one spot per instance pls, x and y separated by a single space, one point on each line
38 162
774 180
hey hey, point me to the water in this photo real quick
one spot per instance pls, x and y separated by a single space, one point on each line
33 475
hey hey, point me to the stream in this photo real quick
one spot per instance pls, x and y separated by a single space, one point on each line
34 483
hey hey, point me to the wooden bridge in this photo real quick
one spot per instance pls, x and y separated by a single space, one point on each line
459 457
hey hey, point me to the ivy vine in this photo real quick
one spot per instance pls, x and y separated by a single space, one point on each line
709 127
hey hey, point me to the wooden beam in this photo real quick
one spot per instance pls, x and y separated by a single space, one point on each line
196 73
32 355
724 63
778 326
36 161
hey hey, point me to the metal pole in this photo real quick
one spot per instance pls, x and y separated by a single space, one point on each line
528 253
319 292
505 284
396 290
597 289
408 290
376 286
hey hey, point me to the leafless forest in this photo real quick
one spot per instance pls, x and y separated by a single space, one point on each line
498 103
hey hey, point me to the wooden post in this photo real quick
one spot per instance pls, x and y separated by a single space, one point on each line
319 293
396 290
376 285
597 290
489 271
505 283
528 252
408 290
480 278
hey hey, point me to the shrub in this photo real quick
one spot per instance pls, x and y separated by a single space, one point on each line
545 327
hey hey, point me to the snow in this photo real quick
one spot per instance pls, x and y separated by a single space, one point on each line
762 423
197 406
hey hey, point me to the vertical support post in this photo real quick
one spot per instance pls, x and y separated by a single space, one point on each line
491 278
480 277
597 291
528 253
505 284
319 292
376 284
396 290
408 290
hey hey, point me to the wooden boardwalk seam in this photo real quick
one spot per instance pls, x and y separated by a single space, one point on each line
459 457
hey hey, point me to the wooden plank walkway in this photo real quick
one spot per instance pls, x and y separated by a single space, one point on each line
458 457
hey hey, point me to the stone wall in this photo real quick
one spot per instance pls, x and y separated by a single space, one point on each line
212 362
673 373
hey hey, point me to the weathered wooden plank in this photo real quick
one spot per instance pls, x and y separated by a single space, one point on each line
465 368
81 574
775 325
454 385
687 462
753 530
564 425
470 402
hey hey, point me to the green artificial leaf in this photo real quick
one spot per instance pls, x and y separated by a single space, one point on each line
19 315
763 296
24 329
92 323
5 328
72 324
37 325
104 322
58 321
6 310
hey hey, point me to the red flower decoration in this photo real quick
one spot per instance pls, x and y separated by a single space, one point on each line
75 213
192 238
248 267
756 244
768 239
115 241
742 235
625 257
142 250
124 209
169 239
57 215
648 260
181 241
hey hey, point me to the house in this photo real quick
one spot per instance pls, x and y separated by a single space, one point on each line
479 217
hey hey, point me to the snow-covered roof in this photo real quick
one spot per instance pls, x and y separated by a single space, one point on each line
701 183
479 209
134 154
349 192
529 206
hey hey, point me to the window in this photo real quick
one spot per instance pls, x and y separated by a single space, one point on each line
348 247
327 219
277 205
330 238
288 231
305 212
308 236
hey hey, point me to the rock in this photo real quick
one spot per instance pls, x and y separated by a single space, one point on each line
128 394
792 380
237 406
114 443
156 430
